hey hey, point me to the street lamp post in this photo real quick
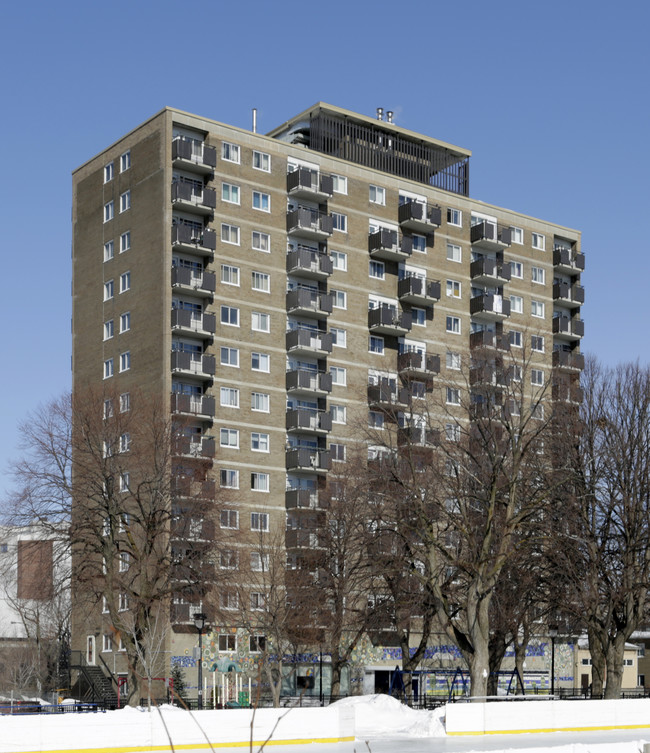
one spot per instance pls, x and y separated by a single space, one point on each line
553 631
200 621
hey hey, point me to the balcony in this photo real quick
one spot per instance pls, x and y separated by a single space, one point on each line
310 303
489 272
303 459
568 360
189 322
309 223
568 261
418 291
309 263
190 197
490 307
186 486
198 241
302 381
203 448
308 342
571 296
567 392
189 364
389 246
202 284
485 339
418 435
192 154
419 216
386 320
416 364
193 406
309 421
302 499
388 397
489 236
489 375
568 329
301 539
310 185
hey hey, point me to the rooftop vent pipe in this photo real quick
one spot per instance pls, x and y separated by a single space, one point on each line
380 113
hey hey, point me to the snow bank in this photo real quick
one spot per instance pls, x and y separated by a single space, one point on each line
383 716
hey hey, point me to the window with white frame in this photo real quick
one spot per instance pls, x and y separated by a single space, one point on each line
515 338
228 559
453 324
261 241
124 562
537 376
339 184
108 329
229 356
257 644
107 643
108 172
109 250
125 322
229 600
261 201
260 482
537 309
537 343
125 485
259 441
125 402
452 432
108 408
260 322
340 222
125 241
228 479
516 304
375 419
453 360
260 521
125 201
104 599
230 152
229 438
376 345
125 161
537 275
454 252
259 562
257 601
516 235
260 362
108 368
229 274
229 397
260 402
419 243
261 281
339 375
230 316
418 317
123 602
453 288
339 260
377 269
230 233
339 299
262 161
339 337
517 270
230 518
338 413
337 451
109 211
539 241
230 193
125 282
125 361
377 195
454 217
453 396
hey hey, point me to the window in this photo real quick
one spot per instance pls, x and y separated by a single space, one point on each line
259 442
454 217
339 299
125 161
377 269
229 356
259 521
453 360
339 375
338 414
517 269
125 201
515 338
537 343
125 241
125 282
108 408
418 317
539 241
419 243
108 329
376 345
125 402
108 368
337 451
454 253
260 322
260 482
377 195
227 642
229 438
537 309
339 337
453 396
109 211
229 274
260 402
257 601
375 419
230 234
229 397
123 602
107 643
228 559
259 562
453 288
229 600
516 304
230 316
537 376
257 644
125 479
340 222
228 479
230 193
104 599
125 322
537 275
453 324
109 250
260 362
261 241
125 361
339 260
261 281
452 432
261 201
339 184
230 152
262 161
108 172
516 235
230 518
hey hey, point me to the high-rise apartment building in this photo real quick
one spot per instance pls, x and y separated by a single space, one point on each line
271 288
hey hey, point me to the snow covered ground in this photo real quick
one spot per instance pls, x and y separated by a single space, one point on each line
371 724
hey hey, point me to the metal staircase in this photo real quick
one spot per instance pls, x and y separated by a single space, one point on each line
94 684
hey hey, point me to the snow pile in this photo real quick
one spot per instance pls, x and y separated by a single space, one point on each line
383 716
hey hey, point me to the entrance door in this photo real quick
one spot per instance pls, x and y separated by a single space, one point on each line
90 650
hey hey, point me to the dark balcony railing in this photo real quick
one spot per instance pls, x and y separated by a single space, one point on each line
487 339
309 261
388 318
308 420
387 395
565 326
418 362
490 268
309 381
187 319
309 300
189 192
187 235
206 281
565 291
418 287
307 339
567 392
489 232
420 212
566 257
203 364
203 406
420 435
303 458
387 244
489 304
564 359
301 539
195 151
186 486
301 499
309 181
310 220
205 448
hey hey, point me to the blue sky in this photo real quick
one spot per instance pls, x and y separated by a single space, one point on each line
552 98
